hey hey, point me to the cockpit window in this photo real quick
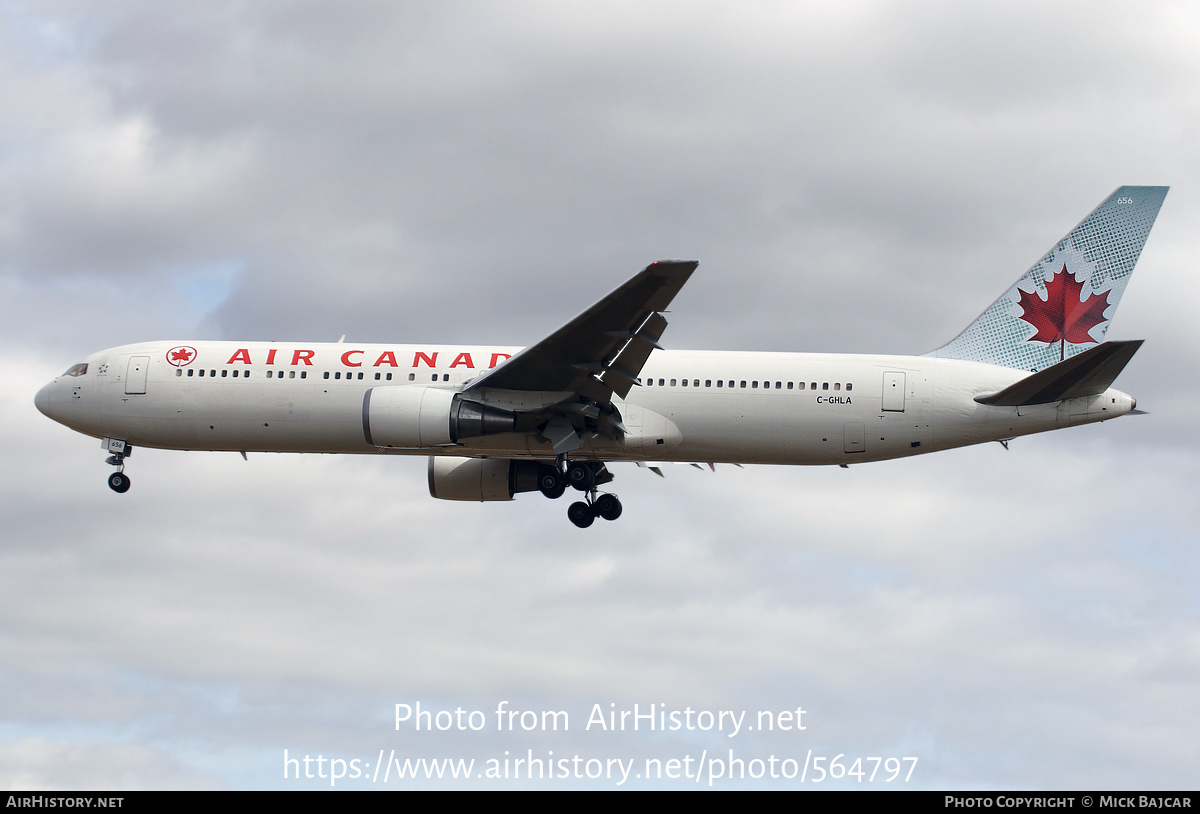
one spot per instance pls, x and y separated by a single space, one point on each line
77 370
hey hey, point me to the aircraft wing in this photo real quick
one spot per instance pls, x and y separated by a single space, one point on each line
596 341
597 354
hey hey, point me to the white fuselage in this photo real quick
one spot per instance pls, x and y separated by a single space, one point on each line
706 406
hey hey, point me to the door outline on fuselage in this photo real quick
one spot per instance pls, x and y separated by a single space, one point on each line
854 437
135 375
893 392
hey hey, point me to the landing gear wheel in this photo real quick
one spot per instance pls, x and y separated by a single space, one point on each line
608 507
552 484
581 514
118 482
581 476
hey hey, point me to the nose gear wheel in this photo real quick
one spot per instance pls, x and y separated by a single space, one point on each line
118 481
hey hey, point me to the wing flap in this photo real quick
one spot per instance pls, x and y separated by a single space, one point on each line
621 374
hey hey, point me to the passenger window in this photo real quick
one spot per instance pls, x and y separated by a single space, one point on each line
849 386
672 382
326 374
824 385
837 385
708 382
790 385
224 373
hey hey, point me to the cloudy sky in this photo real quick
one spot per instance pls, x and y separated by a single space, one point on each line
858 177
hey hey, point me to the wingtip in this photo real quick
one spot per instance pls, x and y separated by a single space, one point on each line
690 265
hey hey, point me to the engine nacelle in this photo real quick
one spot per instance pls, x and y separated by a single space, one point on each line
481 478
417 417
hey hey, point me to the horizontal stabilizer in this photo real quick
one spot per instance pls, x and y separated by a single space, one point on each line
1085 374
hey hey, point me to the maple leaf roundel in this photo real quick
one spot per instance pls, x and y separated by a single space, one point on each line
1063 315
181 356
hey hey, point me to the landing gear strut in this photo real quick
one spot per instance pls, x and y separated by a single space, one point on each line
584 476
118 481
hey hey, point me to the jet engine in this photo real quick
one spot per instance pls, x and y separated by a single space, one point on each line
481 478
414 417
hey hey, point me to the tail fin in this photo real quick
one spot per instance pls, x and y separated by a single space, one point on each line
1063 305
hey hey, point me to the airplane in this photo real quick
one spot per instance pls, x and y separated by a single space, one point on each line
498 421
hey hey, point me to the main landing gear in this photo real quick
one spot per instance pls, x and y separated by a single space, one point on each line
584 476
118 481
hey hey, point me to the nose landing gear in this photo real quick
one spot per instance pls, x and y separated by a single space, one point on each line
118 481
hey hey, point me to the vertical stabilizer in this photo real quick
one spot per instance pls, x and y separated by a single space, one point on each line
1063 305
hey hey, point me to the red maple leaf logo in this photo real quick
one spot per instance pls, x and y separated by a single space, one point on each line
1063 315
180 356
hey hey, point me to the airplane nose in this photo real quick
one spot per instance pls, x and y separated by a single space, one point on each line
42 400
